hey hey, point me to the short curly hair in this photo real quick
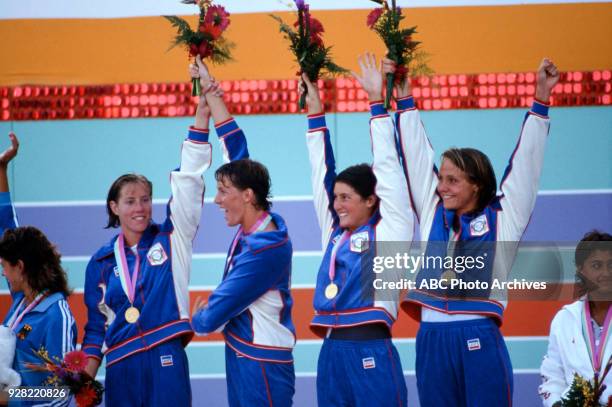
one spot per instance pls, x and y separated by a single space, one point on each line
41 260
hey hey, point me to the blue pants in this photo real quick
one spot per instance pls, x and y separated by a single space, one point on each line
360 374
251 383
157 377
463 364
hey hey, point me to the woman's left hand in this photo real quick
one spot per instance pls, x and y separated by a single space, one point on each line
11 152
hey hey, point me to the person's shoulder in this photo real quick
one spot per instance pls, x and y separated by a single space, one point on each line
568 314
105 250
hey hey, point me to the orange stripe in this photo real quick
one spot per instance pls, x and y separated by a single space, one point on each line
460 39
521 318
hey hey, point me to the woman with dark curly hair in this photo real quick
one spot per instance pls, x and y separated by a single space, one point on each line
39 316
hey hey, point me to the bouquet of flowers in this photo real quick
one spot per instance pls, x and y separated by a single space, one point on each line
306 43
70 372
583 393
207 41
401 48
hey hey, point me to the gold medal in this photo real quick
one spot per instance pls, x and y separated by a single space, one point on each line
132 314
331 291
448 275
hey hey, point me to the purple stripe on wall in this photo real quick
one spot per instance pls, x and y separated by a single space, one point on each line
78 230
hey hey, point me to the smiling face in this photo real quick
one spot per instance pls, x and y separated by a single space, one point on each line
597 273
352 209
233 201
133 208
455 188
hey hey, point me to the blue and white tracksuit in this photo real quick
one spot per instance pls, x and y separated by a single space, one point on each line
363 372
462 359
145 361
49 325
8 219
252 306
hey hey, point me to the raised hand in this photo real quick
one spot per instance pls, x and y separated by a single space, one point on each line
547 78
401 90
313 100
7 155
371 79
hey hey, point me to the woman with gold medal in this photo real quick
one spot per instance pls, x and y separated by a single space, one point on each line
357 209
136 286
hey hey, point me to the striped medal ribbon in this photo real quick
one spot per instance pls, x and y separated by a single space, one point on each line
596 353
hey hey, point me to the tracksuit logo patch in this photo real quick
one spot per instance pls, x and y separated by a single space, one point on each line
156 255
166 360
360 242
368 363
479 226
473 344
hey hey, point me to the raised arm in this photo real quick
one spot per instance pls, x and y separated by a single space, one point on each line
417 154
397 223
231 137
8 219
322 162
519 185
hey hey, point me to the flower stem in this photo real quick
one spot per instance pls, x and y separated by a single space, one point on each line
390 83
196 88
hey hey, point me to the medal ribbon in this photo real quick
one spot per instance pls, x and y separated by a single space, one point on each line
127 283
17 317
596 353
262 223
332 261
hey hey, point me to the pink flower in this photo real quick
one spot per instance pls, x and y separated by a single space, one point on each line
76 360
374 16
217 16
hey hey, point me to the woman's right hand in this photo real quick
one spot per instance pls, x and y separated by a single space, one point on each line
402 90
313 100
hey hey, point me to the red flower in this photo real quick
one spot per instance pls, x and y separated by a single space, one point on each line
400 74
76 360
193 50
217 16
205 49
374 16
86 397
212 30
316 27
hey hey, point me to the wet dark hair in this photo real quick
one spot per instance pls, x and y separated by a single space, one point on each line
41 260
245 174
476 165
361 178
591 242
115 190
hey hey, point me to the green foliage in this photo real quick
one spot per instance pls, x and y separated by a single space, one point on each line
313 58
581 394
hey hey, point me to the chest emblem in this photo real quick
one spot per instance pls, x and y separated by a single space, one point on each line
360 242
157 255
479 226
